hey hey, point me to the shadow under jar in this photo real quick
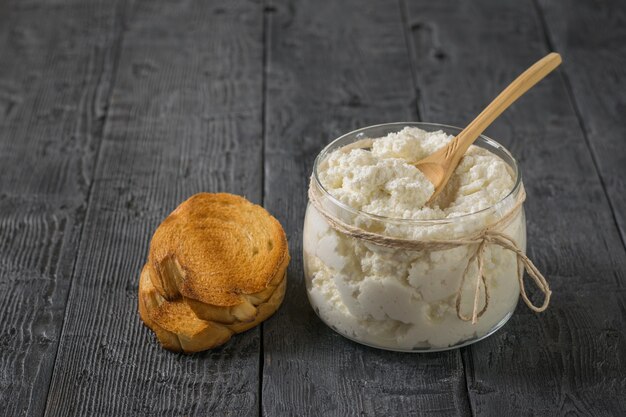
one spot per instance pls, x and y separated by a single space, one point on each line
411 300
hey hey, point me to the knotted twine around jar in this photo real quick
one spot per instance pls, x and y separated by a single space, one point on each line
481 238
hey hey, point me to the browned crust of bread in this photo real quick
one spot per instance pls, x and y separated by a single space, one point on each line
219 250
245 311
168 340
179 329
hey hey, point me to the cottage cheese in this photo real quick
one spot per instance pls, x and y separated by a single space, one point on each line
402 299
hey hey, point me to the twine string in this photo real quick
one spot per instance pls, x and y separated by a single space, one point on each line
489 235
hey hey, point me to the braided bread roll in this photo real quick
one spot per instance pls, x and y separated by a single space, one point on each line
180 330
221 253
219 258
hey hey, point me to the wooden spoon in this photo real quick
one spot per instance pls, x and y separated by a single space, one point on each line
439 166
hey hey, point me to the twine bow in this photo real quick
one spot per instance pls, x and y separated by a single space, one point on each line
482 238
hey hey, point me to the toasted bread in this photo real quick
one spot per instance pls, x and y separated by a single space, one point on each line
179 329
245 311
221 253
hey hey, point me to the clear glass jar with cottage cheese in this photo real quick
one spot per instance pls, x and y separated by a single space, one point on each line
363 279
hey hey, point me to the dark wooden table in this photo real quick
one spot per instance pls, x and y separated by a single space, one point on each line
112 112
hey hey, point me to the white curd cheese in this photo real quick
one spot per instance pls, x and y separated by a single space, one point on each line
401 299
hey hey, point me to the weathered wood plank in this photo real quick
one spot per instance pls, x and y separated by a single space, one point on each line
56 67
185 117
334 66
568 360
592 38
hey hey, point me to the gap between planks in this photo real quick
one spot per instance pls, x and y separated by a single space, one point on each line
118 36
543 24
265 11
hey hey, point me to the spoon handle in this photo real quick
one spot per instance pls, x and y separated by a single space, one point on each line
515 90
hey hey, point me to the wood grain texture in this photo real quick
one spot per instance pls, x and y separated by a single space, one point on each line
331 67
568 360
111 113
55 76
592 37
185 116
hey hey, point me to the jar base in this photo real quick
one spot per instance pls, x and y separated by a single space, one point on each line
468 342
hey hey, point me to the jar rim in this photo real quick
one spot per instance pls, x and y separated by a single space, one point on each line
482 140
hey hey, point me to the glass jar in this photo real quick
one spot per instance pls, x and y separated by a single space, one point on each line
410 300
